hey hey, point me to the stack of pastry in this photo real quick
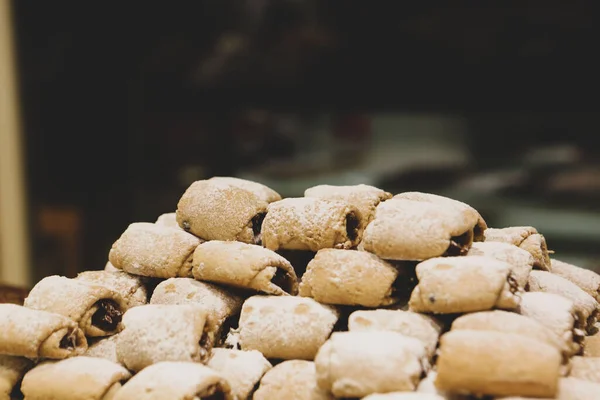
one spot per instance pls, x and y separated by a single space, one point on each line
403 297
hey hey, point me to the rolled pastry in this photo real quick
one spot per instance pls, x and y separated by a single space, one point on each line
246 266
242 369
292 380
261 191
12 370
509 322
285 327
569 389
214 210
75 378
415 230
525 237
152 250
364 197
469 211
97 309
556 313
591 346
38 334
110 268
586 368
410 324
403 396
586 279
104 348
350 278
356 364
521 262
464 284
496 364
155 333
585 305
309 223
130 287
427 386
222 306
176 381
168 220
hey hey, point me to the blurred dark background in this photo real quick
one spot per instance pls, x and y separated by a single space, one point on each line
126 103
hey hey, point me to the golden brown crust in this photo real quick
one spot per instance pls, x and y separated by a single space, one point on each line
415 230
586 279
12 370
294 380
350 278
261 191
214 210
521 261
242 369
497 364
525 237
308 223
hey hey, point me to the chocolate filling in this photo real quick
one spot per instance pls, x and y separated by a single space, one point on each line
204 339
478 235
68 341
282 279
352 225
513 285
405 282
108 315
229 323
257 222
459 245
186 226
213 392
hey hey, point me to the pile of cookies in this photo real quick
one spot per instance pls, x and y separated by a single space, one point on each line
348 292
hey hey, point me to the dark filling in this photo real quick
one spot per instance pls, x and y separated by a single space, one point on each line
68 341
298 258
212 393
591 323
216 396
186 226
108 315
352 224
478 235
459 245
257 222
513 285
226 326
282 279
204 339
406 280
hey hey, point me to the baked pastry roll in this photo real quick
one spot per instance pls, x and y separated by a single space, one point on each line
130 287
97 309
176 381
155 333
364 197
105 347
38 334
285 327
12 370
292 380
496 364
525 237
214 210
168 220
246 266
403 396
427 386
469 212
350 278
74 378
356 364
569 389
558 314
510 322
591 346
308 223
110 268
416 230
152 250
223 306
463 284
261 191
410 324
586 279
586 368
242 369
585 305
521 262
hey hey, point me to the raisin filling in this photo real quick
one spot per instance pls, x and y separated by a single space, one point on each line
68 341
257 222
282 279
108 315
459 245
513 285
352 224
